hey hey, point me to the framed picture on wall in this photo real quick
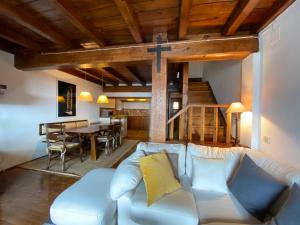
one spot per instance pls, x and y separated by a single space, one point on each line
66 99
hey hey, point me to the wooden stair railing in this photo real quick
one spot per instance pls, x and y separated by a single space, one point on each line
186 121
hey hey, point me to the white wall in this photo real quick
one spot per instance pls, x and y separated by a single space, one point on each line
30 100
277 88
196 69
225 80
280 110
251 99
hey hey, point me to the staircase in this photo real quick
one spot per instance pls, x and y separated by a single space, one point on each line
201 120
201 93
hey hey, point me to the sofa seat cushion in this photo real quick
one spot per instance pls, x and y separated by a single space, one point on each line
214 207
176 208
86 202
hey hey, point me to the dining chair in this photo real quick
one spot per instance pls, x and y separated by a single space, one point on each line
118 134
106 137
57 144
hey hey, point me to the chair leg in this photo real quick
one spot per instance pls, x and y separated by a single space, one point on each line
49 160
113 147
81 154
63 161
106 148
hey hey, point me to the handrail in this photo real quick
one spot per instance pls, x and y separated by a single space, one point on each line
197 105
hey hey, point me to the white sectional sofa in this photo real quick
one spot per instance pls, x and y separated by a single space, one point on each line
187 206
192 207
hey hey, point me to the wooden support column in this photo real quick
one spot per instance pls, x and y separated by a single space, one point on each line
158 123
216 129
190 124
185 87
202 131
228 128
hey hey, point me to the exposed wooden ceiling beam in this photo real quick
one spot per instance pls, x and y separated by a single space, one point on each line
19 39
80 23
131 20
239 14
128 89
8 46
86 73
278 7
99 74
114 73
136 76
124 70
181 51
33 23
185 9
79 73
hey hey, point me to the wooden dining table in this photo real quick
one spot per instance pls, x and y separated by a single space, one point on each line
90 131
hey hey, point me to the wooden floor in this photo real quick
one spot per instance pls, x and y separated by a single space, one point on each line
26 195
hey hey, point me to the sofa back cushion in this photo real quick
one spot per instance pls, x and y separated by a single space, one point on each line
254 188
231 157
209 175
289 214
171 150
173 159
127 176
282 172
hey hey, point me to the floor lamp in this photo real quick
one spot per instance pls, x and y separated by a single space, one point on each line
236 108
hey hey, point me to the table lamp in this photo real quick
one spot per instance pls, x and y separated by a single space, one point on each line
237 108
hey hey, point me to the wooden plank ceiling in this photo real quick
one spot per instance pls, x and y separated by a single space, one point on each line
61 25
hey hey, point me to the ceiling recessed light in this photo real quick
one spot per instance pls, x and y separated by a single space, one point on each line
89 45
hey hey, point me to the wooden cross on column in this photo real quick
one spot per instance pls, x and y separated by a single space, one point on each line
158 51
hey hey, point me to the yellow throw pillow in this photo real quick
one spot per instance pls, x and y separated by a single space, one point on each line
158 176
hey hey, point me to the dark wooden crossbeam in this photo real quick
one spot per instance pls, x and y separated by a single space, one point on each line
16 38
182 51
278 7
131 19
36 24
80 23
239 14
127 89
185 9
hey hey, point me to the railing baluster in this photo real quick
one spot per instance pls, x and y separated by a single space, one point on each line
202 129
216 122
181 126
171 131
186 123
228 128
190 121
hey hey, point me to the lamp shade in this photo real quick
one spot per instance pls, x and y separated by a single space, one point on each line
236 107
102 99
60 98
85 96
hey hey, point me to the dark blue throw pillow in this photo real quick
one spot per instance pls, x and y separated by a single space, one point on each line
289 214
254 188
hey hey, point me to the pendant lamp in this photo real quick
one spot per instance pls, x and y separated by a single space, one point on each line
85 96
102 98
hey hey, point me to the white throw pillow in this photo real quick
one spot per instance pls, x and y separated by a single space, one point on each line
127 176
209 175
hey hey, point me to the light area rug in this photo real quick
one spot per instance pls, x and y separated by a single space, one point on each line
76 168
